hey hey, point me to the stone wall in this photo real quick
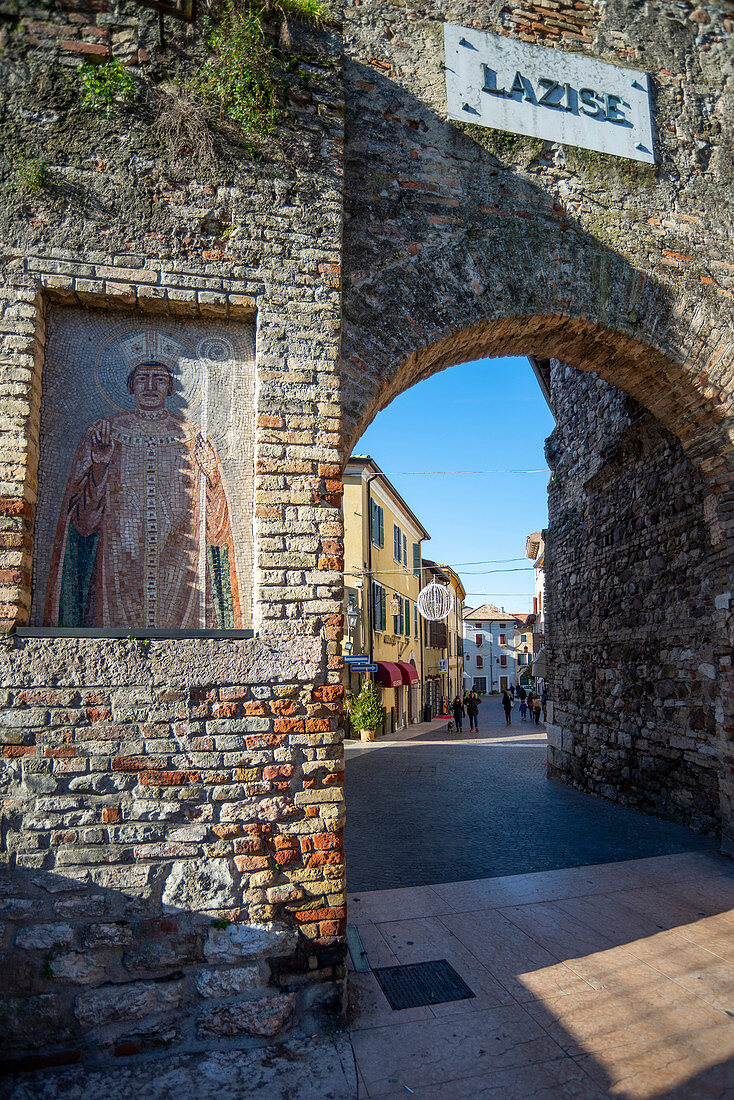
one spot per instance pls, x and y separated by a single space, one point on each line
631 620
172 824
153 788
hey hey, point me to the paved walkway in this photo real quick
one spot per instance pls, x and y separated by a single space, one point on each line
437 807
614 980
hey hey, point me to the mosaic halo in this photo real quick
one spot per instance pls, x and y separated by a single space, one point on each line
215 349
118 355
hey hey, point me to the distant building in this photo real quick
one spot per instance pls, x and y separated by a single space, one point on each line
491 641
382 578
443 643
535 550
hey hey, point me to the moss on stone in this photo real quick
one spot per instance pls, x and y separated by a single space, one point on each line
605 169
505 147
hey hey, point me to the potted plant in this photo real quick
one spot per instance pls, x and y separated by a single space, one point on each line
366 711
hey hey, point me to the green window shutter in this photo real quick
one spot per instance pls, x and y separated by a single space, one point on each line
396 542
405 550
383 613
375 605
415 620
416 559
407 618
380 526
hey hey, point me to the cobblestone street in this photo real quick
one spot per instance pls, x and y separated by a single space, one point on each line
437 807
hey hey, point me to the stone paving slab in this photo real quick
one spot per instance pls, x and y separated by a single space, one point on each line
448 808
306 1069
615 981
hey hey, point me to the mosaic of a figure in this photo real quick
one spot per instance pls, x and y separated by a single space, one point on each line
144 536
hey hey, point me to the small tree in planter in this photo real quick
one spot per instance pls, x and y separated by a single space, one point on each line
366 711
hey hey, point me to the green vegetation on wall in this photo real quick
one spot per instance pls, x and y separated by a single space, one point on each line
105 85
239 78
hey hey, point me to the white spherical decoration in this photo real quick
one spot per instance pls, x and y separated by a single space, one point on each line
435 601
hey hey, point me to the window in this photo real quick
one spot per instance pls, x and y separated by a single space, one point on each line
468 658
379 606
523 638
480 684
479 639
398 619
406 619
503 661
503 626
405 550
379 601
416 559
522 659
377 526
502 639
397 543
480 662
460 643
415 620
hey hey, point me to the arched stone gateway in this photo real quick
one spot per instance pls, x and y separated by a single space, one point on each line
462 243
173 803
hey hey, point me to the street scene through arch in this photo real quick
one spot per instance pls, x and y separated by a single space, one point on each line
603 514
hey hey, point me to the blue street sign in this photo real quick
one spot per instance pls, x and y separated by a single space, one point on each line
360 660
367 668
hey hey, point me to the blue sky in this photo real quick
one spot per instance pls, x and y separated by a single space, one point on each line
486 415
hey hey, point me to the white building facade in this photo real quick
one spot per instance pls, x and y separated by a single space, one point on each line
497 646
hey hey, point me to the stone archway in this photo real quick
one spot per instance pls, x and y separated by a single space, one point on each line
462 243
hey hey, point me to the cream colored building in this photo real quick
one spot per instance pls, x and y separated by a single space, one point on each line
382 578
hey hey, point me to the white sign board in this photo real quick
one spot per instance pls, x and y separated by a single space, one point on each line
545 93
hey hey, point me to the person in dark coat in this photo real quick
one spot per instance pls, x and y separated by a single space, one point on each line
507 704
472 709
536 709
522 694
458 708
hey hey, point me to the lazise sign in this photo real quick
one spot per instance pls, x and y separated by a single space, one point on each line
541 92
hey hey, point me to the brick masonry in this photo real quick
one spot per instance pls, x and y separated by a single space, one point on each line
191 782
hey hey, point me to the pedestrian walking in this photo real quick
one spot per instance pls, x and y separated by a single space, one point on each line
537 705
458 708
507 704
522 693
512 692
529 700
523 710
472 709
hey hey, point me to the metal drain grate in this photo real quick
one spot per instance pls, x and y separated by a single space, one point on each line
418 984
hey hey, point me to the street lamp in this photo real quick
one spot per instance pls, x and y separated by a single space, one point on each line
351 618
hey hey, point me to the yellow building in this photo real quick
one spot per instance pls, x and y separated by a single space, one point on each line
382 579
443 644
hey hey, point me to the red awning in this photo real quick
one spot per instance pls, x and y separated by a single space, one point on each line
388 674
409 672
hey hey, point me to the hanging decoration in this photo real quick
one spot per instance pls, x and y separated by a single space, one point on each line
435 601
394 606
